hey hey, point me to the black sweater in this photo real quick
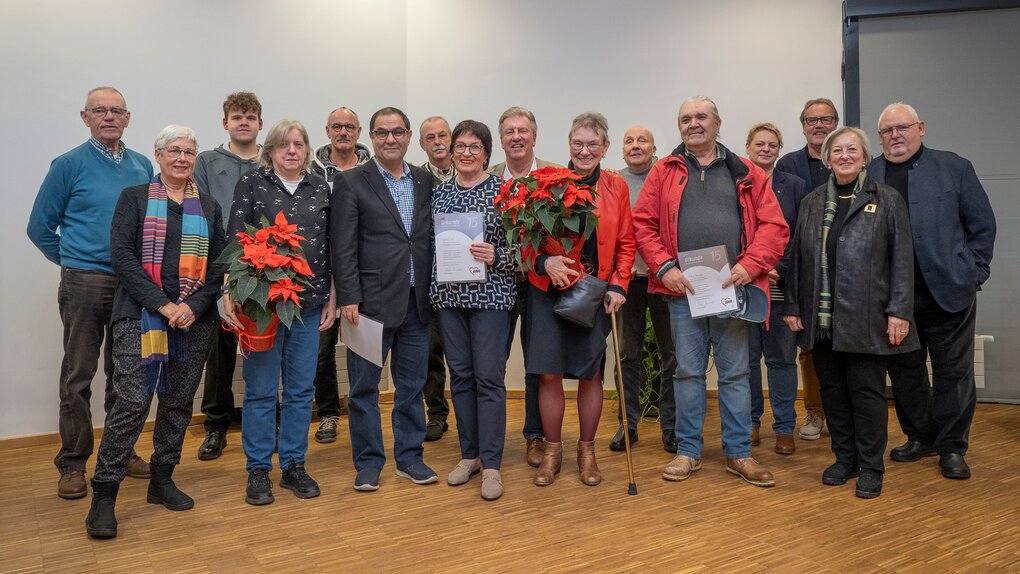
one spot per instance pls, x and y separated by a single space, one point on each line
136 289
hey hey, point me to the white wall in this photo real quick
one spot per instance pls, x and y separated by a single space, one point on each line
175 62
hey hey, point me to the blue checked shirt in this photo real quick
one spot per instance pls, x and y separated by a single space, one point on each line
107 151
402 191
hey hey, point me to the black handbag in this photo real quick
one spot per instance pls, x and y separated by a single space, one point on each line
581 301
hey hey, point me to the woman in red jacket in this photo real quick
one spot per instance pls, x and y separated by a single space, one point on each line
558 348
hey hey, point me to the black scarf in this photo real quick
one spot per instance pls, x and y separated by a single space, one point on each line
592 178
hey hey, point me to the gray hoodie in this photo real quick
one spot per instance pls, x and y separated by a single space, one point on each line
216 173
323 166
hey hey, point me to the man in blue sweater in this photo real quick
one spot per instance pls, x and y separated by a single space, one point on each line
70 224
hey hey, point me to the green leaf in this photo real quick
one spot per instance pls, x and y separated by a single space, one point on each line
263 321
276 273
573 223
261 294
238 265
547 219
251 229
245 286
558 192
230 254
567 244
286 310
263 221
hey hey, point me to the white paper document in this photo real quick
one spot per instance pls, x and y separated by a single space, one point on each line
707 269
455 232
365 338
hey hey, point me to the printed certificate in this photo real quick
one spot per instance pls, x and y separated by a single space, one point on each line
707 269
455 232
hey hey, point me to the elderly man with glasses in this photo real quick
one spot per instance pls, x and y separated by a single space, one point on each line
70 224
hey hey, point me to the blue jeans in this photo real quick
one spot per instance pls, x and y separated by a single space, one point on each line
728 340
293 355
779 345
409 365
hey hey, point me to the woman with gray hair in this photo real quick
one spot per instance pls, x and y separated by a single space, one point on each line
163 240
558 348
849 298
283 183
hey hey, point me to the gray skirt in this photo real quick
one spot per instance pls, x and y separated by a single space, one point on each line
555 346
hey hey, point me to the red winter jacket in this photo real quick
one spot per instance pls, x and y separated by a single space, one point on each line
764 233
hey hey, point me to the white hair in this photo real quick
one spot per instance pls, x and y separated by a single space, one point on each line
909 109
175 132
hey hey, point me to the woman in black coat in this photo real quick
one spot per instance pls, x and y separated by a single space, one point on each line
849 297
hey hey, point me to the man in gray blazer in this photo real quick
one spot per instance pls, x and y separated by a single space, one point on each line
954 232
381 232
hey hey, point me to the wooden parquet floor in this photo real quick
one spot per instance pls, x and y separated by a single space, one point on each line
712 522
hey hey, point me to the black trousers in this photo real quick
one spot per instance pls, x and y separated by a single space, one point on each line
434 391
532 416
632 342
853 396
327 387
940 412
218 394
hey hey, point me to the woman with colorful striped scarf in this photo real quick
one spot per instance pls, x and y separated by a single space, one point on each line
164 238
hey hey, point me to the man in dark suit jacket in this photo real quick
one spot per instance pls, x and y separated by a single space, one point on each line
382 257
954 233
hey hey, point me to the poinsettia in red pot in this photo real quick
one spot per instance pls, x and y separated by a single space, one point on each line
544 211
268 271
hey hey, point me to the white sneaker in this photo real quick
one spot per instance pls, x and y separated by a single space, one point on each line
812 427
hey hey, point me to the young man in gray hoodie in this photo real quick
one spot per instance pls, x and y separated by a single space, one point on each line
216 172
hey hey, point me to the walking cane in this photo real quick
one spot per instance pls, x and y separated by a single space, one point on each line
632 487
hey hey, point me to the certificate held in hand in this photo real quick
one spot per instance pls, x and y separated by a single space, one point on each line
707 269
455 232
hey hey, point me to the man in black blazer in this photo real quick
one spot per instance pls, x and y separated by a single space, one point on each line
381 226
954 233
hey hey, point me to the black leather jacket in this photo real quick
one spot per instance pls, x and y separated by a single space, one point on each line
873 278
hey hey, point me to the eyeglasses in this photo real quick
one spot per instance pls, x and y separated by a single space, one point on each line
176 152
824 120
343 127
891 130
383 135
473 149
101 111
592 147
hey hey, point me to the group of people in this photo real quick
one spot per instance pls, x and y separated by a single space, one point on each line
871 272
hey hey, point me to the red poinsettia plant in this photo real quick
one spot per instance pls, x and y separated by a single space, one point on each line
267 272
544 211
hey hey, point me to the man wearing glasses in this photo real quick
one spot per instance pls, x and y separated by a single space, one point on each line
70 224
818 119
382 259
954 232
343 152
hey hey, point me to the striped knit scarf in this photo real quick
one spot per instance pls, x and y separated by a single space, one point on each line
157 344
825 287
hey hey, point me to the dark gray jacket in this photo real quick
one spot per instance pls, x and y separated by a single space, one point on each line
217 172
874 278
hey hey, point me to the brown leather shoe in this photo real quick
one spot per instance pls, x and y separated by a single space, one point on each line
785 444
72 485
751 471
552 459
590 474
755 436
535 451
137 468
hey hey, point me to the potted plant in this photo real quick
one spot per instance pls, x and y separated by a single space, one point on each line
267 273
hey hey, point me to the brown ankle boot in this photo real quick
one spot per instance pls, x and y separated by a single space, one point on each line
551 461
590 474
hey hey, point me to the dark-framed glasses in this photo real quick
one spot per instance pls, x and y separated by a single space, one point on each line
891 130
176 152
385 134
101 112
473 149
343 127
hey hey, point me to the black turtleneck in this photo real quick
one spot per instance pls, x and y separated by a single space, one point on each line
897 175
843 200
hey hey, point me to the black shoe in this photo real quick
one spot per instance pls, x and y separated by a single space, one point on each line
101 521
838 473
435 428
296 480
260 488
953 466
669 441
418 473
869 485
162 489
212 446
618 441
326 433
911 450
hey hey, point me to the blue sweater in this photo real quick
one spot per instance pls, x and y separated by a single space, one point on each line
78 197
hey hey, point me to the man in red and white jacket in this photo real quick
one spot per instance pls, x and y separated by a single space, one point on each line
702 195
